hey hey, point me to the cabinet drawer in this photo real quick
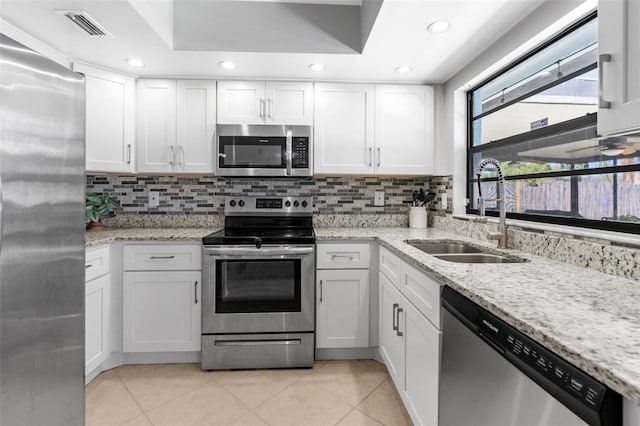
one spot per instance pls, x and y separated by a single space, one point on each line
96 263
158 257
342 256
423 291
390 265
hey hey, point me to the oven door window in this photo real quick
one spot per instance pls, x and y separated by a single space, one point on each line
244 286
246 151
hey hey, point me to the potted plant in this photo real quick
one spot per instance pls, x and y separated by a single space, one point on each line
98 207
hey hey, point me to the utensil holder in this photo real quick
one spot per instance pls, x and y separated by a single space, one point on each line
418 217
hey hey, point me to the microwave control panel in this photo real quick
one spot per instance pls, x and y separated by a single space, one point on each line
300 148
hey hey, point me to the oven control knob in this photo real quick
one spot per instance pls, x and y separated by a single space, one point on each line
232 203
296 204
304 204
241 203
287 203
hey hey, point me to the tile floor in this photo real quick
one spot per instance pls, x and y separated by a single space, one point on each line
342 393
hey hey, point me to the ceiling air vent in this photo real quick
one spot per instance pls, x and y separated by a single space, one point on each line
85 22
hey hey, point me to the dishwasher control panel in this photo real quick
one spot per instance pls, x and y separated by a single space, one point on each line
568 377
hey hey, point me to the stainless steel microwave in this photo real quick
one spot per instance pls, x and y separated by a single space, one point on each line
264 150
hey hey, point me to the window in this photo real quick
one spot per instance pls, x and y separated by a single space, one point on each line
538 118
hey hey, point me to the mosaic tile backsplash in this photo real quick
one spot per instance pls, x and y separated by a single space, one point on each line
204 195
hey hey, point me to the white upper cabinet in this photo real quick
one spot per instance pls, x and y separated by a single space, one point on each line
110 120
259 102
289 103
367 129
404 124
343 131
196 126
176 126
619 62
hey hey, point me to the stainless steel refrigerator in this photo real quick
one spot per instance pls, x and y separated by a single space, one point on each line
41 240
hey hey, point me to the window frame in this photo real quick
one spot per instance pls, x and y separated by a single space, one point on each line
580 122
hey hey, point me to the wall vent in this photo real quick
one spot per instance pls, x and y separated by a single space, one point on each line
86 23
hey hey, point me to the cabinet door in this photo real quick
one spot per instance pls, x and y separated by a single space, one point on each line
343 131
404 130
156 126
422 366
241 102
343 309
161 311
96 319
619 36
391 342
289 103
195 126
110 125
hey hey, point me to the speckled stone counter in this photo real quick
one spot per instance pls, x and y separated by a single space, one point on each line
589 318
93 239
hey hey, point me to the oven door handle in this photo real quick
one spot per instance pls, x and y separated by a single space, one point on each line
261 252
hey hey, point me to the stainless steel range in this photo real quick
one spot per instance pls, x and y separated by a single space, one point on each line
258 285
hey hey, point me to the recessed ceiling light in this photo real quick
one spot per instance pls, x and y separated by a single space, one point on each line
317 67
438 27
612 152
403 69
134 62
227 65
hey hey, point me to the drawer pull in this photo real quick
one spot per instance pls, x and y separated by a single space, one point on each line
342 256
395 317
87 266
398 332
162 257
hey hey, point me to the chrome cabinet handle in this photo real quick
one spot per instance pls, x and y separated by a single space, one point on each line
87 266
262 108
129 154
342 256
161 257
605 57
378 157
321 290
398 312
270 108
184 158
289 152
173 155
195 291
370 156
395 317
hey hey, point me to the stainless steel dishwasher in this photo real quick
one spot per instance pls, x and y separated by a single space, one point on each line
492 374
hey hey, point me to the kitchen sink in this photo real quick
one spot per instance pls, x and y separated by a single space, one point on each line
459 252
477 258
444 248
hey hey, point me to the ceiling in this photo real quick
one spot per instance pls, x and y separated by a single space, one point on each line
389 34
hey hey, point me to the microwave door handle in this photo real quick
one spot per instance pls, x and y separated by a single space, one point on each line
289 152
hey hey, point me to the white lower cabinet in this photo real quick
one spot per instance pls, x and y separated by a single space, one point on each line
342 295
410 345
97 308
343 308
96 332
161 298
161 311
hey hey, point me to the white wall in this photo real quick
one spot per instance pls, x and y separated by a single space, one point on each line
451 142
34 44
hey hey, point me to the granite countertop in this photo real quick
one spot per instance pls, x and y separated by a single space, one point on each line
93 239
589 318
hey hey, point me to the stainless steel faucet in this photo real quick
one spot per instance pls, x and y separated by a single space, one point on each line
501 236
